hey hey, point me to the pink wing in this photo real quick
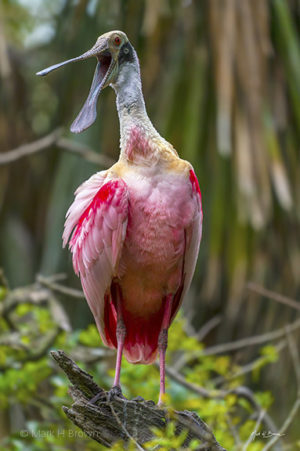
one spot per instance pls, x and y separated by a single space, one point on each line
194 234
98 218
192 243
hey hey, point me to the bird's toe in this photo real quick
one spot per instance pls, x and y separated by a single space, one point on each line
116 391
97 397
138 399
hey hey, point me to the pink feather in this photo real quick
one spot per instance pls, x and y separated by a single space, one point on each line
143 232
98 218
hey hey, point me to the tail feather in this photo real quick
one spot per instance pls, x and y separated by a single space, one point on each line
141 341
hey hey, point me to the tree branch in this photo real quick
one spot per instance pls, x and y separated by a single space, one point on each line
47 282
54 138
28 149
110 417
272 295
242 343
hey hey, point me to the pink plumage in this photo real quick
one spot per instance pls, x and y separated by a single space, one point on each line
134 230
143 233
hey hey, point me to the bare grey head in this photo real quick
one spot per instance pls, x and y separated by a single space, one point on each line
117 67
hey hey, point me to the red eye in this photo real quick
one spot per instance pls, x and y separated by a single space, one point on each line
117 40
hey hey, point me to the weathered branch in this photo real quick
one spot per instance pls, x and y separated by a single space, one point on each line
110 417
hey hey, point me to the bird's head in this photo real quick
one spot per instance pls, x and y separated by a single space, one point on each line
112 50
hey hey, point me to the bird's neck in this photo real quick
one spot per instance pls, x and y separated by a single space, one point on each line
139 138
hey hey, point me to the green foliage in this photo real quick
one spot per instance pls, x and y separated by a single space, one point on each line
90 336
166 439
17 20
38 384
3 292
20 385
269 354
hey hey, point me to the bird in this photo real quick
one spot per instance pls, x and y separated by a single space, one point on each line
134 230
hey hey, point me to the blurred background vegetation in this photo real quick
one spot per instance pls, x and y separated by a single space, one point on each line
221 81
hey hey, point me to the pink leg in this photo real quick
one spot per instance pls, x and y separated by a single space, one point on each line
162 346
121 334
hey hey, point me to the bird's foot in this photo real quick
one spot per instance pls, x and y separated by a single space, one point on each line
97 397
116 391
162 401
150 403
138 399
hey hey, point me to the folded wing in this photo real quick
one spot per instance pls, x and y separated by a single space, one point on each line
97 220
193 234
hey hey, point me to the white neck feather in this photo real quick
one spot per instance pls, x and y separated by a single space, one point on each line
130 104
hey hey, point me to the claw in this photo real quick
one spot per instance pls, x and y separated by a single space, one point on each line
138 399
96 398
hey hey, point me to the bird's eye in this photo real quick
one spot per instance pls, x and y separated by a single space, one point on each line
117 41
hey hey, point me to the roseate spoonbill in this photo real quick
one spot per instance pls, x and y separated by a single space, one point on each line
134 229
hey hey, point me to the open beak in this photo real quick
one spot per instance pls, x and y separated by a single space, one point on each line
104 74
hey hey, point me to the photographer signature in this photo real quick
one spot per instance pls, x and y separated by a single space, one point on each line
265 434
